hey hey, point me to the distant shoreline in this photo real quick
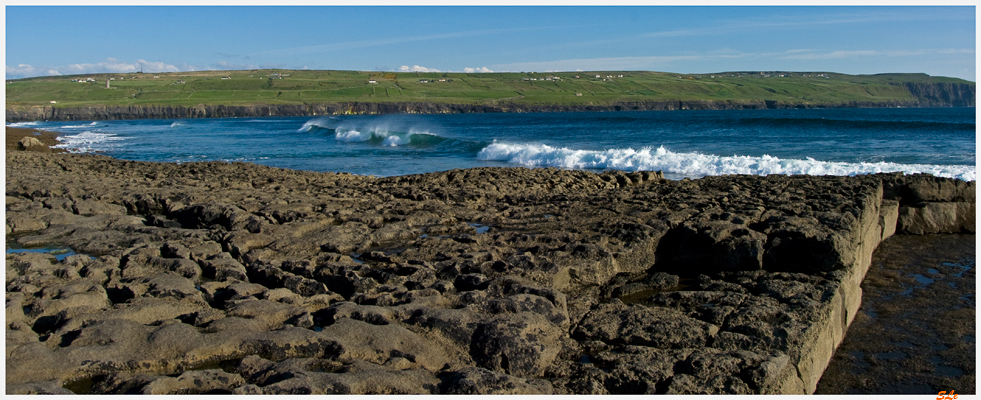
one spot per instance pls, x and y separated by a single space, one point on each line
104 113
281 93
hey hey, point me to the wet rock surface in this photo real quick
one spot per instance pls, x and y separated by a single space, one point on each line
915 333
239 278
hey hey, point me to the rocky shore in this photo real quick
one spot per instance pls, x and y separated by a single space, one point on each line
239 278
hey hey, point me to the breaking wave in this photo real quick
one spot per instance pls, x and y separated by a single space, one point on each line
318 123
383 133
387 138
79 126
23 124
696 165
87 142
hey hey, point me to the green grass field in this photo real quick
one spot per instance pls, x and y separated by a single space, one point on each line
560 88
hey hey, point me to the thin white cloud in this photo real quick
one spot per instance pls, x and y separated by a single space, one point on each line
840 54
664 62
225 65
606 63
416 68
478 70
22 70
110 65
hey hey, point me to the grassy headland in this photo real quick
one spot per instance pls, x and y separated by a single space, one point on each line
561 89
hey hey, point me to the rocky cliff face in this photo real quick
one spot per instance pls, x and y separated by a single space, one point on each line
927 95
292 110
942 94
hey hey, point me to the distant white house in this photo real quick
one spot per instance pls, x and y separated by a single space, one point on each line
372 81
226 77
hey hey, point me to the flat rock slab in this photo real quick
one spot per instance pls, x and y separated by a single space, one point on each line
238 278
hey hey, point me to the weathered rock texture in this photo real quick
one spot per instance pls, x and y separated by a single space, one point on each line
238 278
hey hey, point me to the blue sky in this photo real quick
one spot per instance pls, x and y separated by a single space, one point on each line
57 40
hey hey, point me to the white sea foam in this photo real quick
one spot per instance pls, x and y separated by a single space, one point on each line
176 124
695 164
87 142
387 131
23 124
351 135
377 133
79 126
397 140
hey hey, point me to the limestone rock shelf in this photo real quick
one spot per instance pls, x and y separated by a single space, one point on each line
238 278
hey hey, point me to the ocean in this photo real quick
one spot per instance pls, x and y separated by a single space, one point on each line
688 143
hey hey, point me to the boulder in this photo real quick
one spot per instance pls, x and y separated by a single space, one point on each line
29 143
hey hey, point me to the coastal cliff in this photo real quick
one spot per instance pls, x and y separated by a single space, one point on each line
942 94
925 94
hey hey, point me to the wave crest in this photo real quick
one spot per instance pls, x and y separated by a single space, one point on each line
695 164
87 142
23 124
80 126
387 138
322 122
384 132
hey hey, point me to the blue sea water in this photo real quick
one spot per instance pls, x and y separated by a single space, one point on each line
688 143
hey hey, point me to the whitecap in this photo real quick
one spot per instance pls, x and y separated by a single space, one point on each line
351 135
88 141
79 126
696 164
23 124
396 140
321 122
